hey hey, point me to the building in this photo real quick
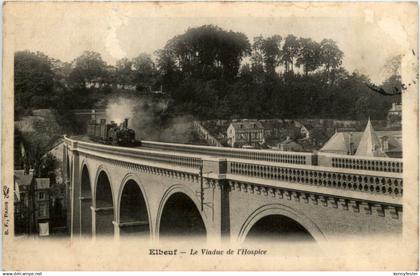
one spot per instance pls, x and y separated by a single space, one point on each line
271 128
366 143
394 115
396 110
245 133
42 201
22 201
31 202
290 145
305 131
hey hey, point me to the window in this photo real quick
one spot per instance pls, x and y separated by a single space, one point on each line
41 195
42 211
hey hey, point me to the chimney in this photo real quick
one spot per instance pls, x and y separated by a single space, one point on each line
351 144
125 123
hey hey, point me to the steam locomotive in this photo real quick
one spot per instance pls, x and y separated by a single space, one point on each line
112 133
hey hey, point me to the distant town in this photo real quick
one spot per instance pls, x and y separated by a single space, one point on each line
307 135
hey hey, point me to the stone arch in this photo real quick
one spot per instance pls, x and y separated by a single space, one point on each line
85 201
103 203
187 193
280 210
132 190
84 163
99 170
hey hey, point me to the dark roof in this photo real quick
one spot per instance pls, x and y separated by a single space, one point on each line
42 183
247 125
270 124
23 179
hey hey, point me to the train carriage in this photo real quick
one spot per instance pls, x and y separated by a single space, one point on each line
111 133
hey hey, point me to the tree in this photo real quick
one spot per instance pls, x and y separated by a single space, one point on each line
168 70
144 72
203 72
33 81
205 53
393 86
331 57
88 68
124 72
267 52
61 71
257 61
290 52
309 55
47 167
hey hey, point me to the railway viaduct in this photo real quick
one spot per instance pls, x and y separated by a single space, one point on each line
161 190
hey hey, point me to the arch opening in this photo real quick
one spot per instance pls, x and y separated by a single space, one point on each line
104 206
181 219
85 203
134 219
278 228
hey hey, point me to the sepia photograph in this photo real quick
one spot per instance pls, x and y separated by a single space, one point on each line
210 136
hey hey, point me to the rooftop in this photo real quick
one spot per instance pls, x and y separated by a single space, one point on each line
369 144
42 183
247 125
348 142
22 179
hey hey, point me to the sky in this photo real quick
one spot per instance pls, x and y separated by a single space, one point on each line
369 34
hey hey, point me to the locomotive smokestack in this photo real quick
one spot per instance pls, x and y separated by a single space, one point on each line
125 123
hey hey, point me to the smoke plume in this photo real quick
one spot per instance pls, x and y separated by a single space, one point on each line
145 116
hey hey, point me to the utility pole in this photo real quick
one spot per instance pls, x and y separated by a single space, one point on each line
201 189
202 203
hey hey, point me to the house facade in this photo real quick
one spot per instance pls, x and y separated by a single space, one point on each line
245 133
394 115
42 201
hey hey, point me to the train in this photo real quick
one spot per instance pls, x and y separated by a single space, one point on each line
112 133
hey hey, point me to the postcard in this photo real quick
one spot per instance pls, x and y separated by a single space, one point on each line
210 136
